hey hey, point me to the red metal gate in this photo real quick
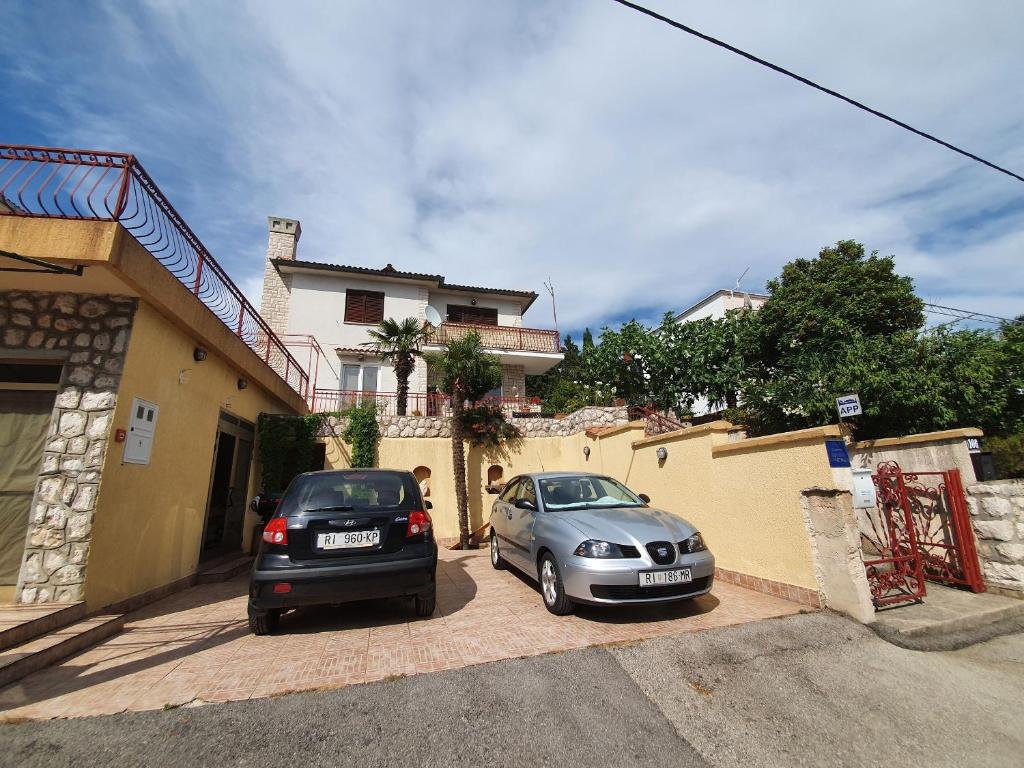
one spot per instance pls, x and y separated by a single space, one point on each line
920 529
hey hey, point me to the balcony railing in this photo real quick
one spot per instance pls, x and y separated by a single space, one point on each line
508 337
113 186
417 403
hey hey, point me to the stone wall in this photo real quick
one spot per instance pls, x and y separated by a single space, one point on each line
513 381
439 426
577 421
282 242
997 512
93 332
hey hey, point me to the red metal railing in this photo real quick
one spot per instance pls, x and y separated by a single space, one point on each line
501 337
113 186
658 423
386 403
417 403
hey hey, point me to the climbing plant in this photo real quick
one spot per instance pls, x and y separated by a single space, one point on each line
363 434
286 445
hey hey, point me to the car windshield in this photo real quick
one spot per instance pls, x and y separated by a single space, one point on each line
329 491
586 492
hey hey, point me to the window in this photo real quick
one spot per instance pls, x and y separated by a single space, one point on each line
527 491
359 378
586 491
509 493
459 313
364 306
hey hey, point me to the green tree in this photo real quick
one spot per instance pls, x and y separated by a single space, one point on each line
844 321
400 343
817 302
466 373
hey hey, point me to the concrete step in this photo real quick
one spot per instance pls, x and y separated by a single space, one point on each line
42 652
224 570
22 623
949 618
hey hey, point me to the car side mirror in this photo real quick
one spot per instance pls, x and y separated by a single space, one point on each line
525 504
492 489
644 498
427 505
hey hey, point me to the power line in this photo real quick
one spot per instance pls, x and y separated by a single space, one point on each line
960 315
812 84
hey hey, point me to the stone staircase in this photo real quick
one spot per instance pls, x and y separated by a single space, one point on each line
33 637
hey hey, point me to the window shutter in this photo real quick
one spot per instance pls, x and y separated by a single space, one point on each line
365 307
461 313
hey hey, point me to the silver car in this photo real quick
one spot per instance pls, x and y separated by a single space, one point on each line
587 538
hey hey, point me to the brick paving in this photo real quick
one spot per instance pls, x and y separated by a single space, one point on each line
196 645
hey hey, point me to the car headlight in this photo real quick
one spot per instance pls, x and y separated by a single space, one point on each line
593 548
693 544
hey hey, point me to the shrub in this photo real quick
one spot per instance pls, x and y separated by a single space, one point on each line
1008 454
363 434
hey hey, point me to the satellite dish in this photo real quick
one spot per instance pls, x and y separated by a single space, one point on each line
433 316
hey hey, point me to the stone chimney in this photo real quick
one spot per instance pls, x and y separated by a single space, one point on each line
282 242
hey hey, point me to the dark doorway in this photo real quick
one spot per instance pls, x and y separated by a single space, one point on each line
229 484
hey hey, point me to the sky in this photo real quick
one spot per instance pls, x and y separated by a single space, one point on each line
507 143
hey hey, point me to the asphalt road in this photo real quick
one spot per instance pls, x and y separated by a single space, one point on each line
805 690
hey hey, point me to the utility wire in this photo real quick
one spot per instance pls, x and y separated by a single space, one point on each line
812 84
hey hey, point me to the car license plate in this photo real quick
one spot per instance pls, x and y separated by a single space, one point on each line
348 539
659 578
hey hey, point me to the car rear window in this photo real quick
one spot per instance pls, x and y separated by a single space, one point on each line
357 490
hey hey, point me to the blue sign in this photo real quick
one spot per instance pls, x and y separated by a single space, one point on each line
837 455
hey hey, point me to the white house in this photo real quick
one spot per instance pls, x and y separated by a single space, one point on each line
718 303
324 312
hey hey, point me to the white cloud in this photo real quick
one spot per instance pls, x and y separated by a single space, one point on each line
500 143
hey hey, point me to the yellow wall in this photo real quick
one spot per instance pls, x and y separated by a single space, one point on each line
743 496
149 518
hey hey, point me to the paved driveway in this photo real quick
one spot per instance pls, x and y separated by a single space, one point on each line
195 646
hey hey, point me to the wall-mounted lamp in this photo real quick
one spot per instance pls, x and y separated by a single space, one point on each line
199 354
662 454
243 383
472 302
586 451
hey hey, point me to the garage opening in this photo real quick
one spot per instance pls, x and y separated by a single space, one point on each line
27 393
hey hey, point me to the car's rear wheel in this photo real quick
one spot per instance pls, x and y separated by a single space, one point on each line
263 622
424 604
555 599
497 561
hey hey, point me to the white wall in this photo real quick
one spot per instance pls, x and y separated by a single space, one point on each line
720 305
318 308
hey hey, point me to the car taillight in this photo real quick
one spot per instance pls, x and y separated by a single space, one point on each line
276 531
419 522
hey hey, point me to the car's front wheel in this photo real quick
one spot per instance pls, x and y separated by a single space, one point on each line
555 599
263 622
497 561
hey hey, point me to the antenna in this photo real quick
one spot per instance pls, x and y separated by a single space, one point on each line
738 281
551 290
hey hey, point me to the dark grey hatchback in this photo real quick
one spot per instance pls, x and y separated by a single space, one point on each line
340 536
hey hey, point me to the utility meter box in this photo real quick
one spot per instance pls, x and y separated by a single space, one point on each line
141 429
864 494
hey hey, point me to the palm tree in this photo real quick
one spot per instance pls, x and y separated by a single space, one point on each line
399 343
466 373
